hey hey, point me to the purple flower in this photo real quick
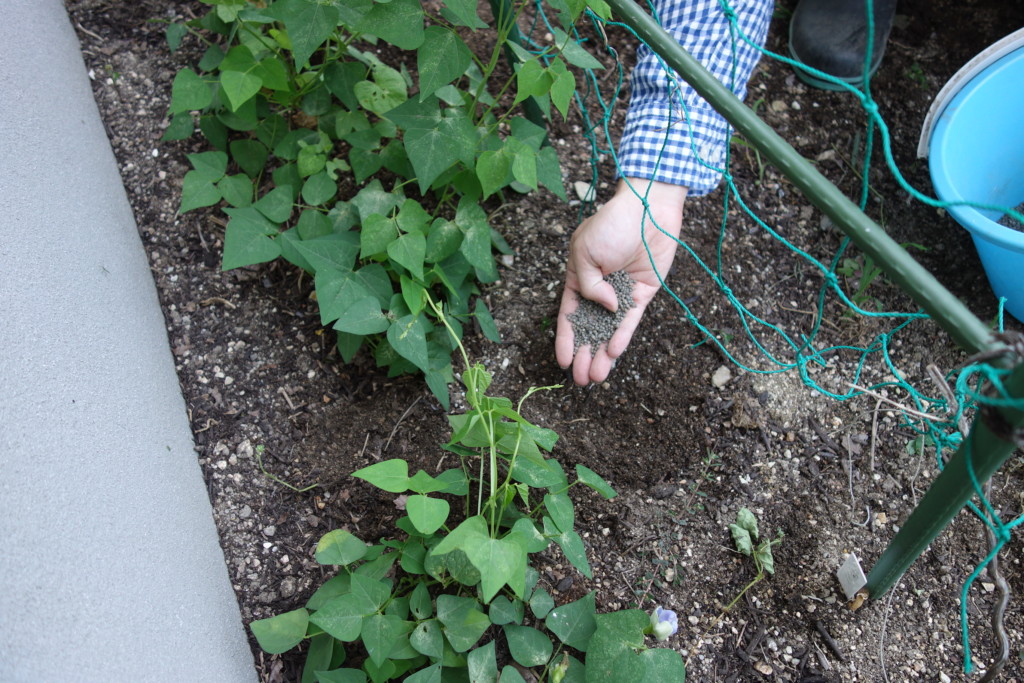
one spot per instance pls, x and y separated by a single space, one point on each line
664 623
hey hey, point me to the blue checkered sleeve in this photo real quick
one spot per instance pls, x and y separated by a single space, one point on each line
671 133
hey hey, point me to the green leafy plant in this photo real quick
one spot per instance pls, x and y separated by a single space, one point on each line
863 269
327 152
456 588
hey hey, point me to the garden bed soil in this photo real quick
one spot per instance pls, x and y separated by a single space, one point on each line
685 442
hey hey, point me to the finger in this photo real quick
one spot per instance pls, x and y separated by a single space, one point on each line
564 337
601 366
581 366
593 286
624 333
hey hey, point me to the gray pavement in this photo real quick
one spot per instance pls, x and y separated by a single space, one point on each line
110 568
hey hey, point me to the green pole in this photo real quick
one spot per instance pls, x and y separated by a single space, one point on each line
952 489
951 314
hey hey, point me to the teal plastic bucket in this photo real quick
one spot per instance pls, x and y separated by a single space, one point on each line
976 154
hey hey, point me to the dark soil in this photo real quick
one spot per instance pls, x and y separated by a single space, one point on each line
685 442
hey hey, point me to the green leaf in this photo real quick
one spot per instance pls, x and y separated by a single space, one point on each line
419 601
384 92
189 92
741 537
763 554
427 514
470 531
372 200
532 80
528 646
276 204
389 475
442 58
504 611
308 22
443 240
399 22
319 189
373 590
378 232
497 559
380 633
236 189
431 674
524 163
423 483
610 654
492 168
541 603
341 78
549 171
336 292
464 11
313 224
363 317
282 632
476 247
209 165
574 623
745 519
273 73
571 544
310 160
662 665
563 85
510 674
246 239
575 53
318 657
433 150
197 192
559 506
332 588
463 622
528 535
409 251
407 338
341 676
239 87
339 547
413 294
486 322
483 667
364 163
428 639
180 127
174 34
342 617
337 251
590 478
250 155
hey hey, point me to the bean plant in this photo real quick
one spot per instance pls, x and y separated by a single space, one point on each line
357 140
454 596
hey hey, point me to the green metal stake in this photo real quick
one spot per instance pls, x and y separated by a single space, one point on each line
950 491
951 314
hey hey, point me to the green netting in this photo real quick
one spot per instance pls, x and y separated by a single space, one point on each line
978 385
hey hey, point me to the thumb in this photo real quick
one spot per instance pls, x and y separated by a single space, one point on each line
593 286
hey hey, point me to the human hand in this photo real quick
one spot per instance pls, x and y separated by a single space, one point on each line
611 241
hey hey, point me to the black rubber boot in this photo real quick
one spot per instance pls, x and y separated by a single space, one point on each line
831 36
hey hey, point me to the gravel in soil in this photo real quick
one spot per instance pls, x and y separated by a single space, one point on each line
685 443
